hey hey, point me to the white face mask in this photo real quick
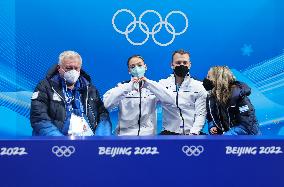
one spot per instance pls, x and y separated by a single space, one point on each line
71 76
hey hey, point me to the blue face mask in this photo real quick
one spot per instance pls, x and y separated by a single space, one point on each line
138 71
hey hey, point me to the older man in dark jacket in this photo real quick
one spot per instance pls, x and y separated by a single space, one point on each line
66 103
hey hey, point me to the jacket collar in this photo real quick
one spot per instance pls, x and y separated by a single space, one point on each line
186 81
53 71
55 78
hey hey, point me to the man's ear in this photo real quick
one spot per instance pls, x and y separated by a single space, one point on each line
145 66
189 65
60 70
171 64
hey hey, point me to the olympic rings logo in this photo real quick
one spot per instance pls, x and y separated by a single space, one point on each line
192 150
145 29
63 150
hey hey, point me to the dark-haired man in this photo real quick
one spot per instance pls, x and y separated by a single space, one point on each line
187 116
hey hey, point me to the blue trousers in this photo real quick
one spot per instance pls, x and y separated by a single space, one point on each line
237 130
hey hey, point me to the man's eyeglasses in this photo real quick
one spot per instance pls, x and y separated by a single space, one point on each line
71 68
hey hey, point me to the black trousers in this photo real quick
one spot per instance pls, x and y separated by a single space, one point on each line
165 132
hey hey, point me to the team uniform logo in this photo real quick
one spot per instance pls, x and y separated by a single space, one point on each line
244 108
145 29
192 150
35 95
63 151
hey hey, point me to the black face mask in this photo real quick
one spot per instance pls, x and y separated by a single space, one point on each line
181 70
208 84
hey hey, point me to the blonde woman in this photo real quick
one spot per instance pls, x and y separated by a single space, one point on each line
230 111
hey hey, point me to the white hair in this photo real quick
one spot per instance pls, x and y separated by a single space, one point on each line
69 54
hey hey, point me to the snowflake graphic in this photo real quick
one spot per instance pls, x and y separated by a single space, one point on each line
246 50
